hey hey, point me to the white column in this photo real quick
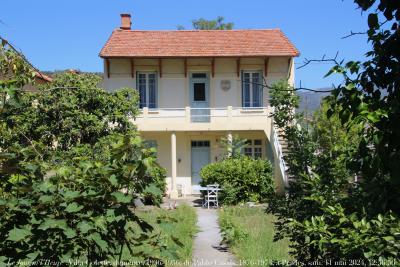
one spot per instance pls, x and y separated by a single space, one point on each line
230 139
174 191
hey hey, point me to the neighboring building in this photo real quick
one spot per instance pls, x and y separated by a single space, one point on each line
199 86
40 78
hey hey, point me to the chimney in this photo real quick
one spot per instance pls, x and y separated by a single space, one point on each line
126 22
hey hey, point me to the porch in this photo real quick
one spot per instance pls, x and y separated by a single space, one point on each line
184 153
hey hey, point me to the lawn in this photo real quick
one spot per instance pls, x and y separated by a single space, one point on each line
249 234
171 228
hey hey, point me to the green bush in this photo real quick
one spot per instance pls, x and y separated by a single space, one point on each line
337 236
153 193
242 179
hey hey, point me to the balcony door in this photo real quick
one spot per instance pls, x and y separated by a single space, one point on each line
199 97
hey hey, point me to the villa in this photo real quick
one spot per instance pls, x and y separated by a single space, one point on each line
197 87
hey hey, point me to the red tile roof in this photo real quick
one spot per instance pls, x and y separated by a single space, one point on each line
204 43
43 77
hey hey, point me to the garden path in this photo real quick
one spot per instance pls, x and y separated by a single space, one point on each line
206 248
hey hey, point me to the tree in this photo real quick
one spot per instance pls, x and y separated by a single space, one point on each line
215 24
370 97
233 147
71 165
328 216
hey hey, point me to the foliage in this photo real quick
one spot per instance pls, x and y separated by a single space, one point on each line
231 233
249 232
14 72
175 230
336 236
242 179
153 192
301 146
215 24
285 101
77 210
370 98
74 79
71 166
234 147
328 215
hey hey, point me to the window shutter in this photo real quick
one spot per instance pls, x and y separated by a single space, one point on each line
152 85
242 79
261 89
246 87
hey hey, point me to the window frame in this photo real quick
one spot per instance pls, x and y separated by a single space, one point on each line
254 150
147 88
252 102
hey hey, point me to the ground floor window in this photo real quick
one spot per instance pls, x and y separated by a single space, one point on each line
253 148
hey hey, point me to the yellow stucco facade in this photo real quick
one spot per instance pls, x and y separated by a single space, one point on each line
170 124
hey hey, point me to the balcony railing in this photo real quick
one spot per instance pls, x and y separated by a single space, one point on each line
210 118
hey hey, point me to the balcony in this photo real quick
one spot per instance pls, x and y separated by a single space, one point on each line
204 119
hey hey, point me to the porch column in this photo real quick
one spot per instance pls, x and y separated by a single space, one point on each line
174 191
230 139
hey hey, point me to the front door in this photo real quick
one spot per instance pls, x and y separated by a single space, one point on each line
199 97
200 158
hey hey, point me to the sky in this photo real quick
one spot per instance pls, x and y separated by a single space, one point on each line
57 35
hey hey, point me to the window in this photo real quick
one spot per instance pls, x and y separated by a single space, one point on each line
199 76
257 153
147 87
199 92
200 143
253 148
252 90
248 151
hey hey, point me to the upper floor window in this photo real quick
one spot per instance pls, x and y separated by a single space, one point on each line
252 89
147 87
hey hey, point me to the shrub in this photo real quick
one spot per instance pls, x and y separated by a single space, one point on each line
153 193
242 179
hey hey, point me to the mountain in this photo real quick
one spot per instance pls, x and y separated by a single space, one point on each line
310 101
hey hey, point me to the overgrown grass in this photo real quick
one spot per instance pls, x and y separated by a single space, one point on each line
175 229
249 233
